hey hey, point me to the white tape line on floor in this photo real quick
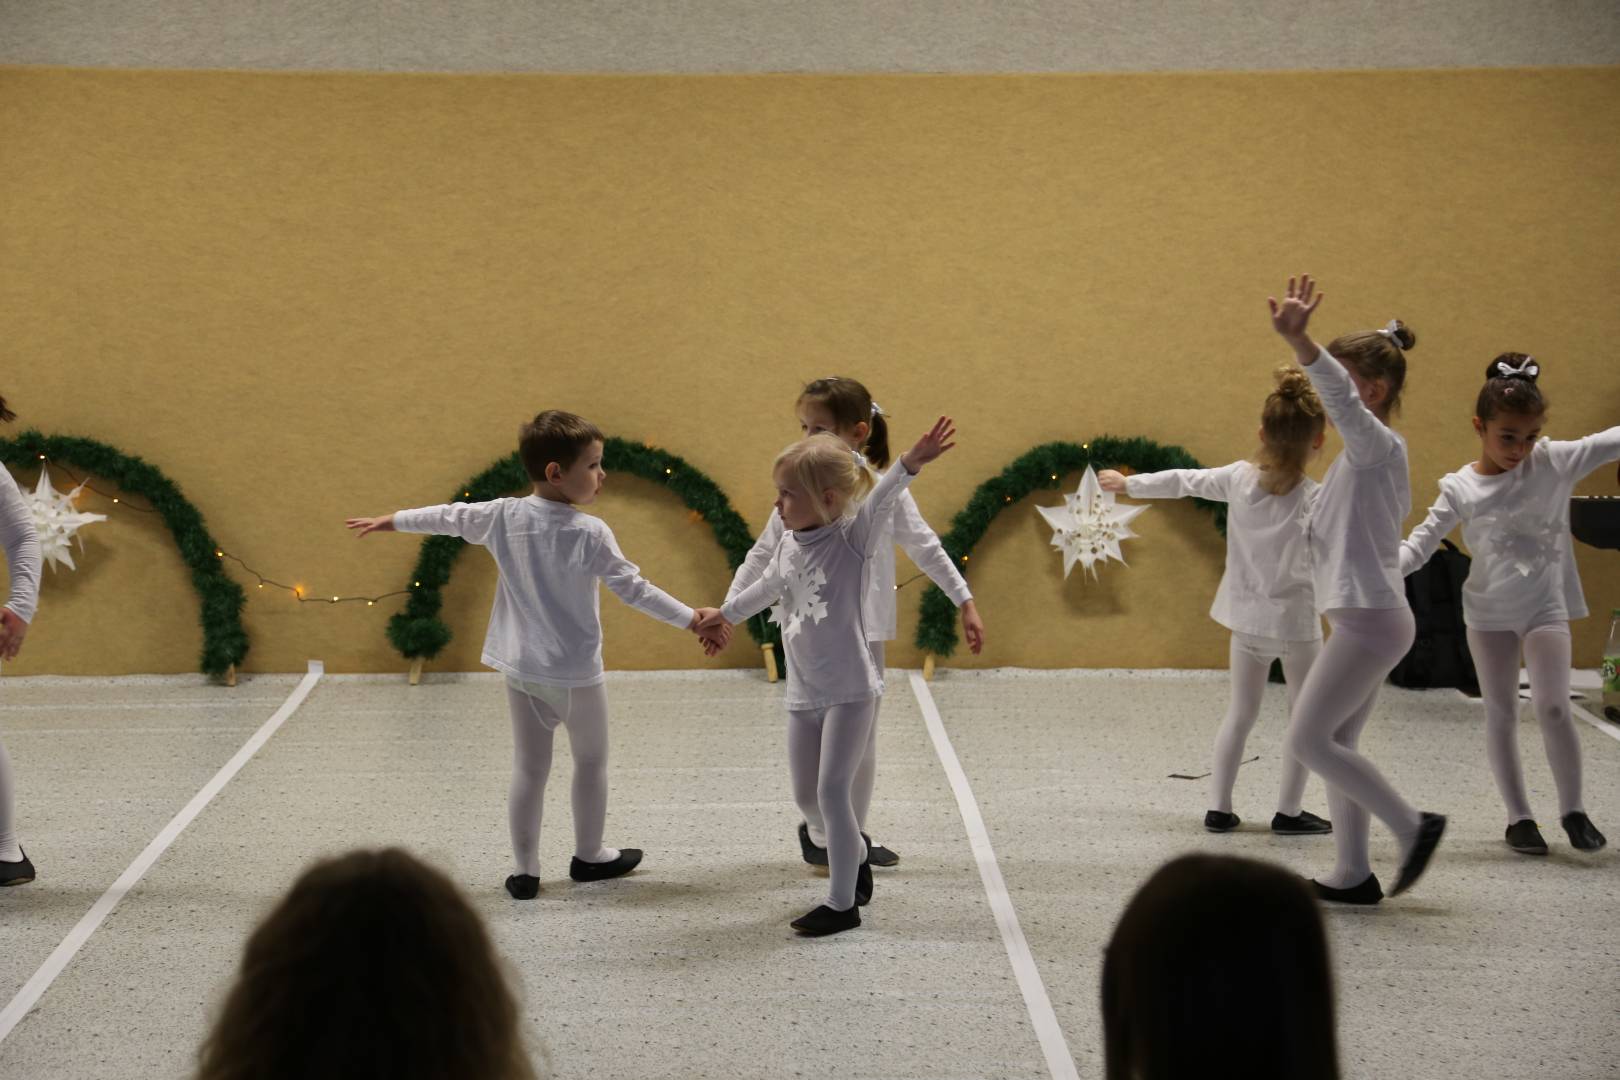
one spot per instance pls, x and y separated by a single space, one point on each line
63 954
1056 1049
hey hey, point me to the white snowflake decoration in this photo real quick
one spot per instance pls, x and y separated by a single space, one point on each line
1089 527
1525 540
57 521
803 599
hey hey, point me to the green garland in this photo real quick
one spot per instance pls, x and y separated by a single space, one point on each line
224 641
419 632
1041 468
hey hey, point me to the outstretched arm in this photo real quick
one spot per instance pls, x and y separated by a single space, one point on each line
473 522
1212 484
21 542
1578 457
623 579
1417 548
759 556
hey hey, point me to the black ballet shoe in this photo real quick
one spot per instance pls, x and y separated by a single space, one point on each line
1303 823
21 873
629 858
1417 860
1583 835
815 856
863 885
880 855
824 920
523 886
1365 894
1525 838
1220 821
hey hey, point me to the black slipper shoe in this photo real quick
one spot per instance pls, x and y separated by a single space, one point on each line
1525 838
16 873
1367 893
629 858
824 920
815 856
1583 835
1303 823
523 886
880 855
1221 821
863 885
1417 860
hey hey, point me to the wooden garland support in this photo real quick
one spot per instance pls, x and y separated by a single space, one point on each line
928 667
416 671
230 675
769 652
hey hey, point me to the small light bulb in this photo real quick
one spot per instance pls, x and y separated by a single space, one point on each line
115 500
334 599
418 584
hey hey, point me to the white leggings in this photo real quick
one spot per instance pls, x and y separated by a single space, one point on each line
825 748
1251 666
865 774
10 851
535 717
1546 651
1329 713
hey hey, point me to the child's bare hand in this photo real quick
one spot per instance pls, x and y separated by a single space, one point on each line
972 627
13 628
364 525
1290 317
1109 480
931 445
711 626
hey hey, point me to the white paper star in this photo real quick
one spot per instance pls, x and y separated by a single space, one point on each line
57 521
1088 527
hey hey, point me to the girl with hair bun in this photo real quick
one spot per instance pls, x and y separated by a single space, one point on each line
1523 587
21 543
1265 597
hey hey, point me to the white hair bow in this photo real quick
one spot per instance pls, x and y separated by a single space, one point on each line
1390 329
877 410
1527 369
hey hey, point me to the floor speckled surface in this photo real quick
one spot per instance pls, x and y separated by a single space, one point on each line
1495 966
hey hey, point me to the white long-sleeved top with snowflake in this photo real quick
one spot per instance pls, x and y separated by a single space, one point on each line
21 542
904 526
1355 528
1516 526
546 624
819 576
1266 590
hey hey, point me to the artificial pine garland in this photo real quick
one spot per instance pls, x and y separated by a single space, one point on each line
419 632
1041 468
224 641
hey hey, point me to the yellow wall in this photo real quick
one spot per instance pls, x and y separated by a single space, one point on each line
311 296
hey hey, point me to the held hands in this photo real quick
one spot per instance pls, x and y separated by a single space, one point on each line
12 630
972 627
1290 317
712 629
364 525
1109 480
930 446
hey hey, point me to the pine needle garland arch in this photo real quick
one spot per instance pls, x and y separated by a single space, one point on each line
1042 468
419 634
220 599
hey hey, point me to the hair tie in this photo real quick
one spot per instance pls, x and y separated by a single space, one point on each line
877 410
1527 369
1390 330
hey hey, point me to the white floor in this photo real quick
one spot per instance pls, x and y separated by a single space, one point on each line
1497 965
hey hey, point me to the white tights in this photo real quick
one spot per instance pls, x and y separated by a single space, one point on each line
1329 713
10 850
1546 651
1251 666
825 748
535 718
865 774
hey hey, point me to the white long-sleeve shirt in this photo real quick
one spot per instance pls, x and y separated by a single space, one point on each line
22 548
820 576
1266 590
546 624
1365 497
904 526
1516 526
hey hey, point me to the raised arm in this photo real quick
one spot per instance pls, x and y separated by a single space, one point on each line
623 579
759 556
1417 548
864 533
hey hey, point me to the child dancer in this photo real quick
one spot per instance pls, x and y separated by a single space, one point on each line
1523 587
545 630
1355 560
22 556
1265 596
843 407
818 573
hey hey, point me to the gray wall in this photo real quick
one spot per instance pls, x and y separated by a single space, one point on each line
808 35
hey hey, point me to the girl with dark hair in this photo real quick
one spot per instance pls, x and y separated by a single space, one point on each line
1203 933
21 542
1523 586
844 408
372 966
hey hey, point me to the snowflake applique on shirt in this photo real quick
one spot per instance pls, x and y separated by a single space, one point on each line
803 600
1525 541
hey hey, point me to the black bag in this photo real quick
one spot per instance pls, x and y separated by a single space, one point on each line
1439 656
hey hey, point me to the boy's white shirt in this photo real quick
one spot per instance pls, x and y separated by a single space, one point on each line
1355 528
545 626
1266 591
21 542
1516 527
905 526
821 577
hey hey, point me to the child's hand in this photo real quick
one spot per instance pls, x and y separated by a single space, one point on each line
1109 480
931 445
1291 316
972 627
711 626
371 525
13 628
